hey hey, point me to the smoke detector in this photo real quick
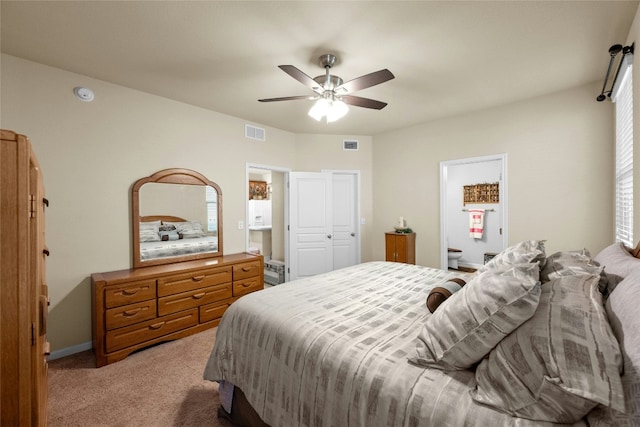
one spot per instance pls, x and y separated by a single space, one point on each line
83 93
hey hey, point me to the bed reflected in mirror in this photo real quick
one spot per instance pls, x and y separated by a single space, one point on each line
177 216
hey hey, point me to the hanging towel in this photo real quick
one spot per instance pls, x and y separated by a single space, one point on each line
476 223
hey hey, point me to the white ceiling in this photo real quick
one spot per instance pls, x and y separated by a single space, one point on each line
448 57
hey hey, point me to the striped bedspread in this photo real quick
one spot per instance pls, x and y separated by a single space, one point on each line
332 350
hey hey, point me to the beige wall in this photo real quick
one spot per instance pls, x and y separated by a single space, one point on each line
560 171
91 154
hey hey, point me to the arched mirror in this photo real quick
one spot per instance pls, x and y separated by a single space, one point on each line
177 216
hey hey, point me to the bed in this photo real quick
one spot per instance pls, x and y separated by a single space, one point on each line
358 346
170 236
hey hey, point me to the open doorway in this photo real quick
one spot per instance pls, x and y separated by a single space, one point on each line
461 249
265 218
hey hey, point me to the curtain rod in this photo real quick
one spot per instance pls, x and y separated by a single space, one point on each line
613 51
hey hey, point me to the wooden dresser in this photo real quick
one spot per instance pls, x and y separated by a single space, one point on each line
400 247
136 308
23 289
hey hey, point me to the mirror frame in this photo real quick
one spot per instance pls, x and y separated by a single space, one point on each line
171 176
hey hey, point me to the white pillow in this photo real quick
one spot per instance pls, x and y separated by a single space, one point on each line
149 231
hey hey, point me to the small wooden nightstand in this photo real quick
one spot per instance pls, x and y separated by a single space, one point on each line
400 247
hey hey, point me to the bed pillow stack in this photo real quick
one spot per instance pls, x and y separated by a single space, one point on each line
561 363
476 318
537 329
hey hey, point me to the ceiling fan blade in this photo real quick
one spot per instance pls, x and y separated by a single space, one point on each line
366 81
287 98
363 102
302 78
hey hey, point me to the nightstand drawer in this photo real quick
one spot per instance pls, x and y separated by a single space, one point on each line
213 311
130 314
247 269
243 287
128 293
186 300
141 332
178 283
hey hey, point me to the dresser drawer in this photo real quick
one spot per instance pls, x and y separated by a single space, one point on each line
247 269
130 314
191 299
243 287
141 332
127 293
195 280
213 311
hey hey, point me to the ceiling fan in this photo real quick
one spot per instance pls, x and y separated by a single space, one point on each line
332 94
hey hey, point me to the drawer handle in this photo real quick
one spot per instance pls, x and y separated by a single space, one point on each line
130 292
247 284
157 325
198 296
197 278
246 269
130 313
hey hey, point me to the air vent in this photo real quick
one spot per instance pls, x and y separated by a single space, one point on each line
350 145
254 132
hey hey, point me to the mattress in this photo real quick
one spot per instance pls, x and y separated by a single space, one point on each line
333 349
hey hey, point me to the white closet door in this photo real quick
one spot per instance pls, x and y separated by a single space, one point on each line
310 224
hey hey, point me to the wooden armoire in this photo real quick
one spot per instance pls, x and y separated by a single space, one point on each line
23 289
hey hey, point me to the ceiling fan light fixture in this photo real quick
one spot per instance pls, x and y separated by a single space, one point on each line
332 109
337 110
332 93
319 109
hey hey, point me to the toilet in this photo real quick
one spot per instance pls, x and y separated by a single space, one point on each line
454 255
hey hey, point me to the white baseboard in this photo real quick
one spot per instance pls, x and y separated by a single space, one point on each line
58 354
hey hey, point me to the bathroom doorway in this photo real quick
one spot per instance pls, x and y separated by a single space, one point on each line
265 218
455 218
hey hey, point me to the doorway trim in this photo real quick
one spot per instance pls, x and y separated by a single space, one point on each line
444 165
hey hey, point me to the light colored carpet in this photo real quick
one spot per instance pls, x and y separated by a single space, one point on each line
159 386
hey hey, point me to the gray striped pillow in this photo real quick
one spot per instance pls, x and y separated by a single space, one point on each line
559 364
520 253
474 319
570 263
